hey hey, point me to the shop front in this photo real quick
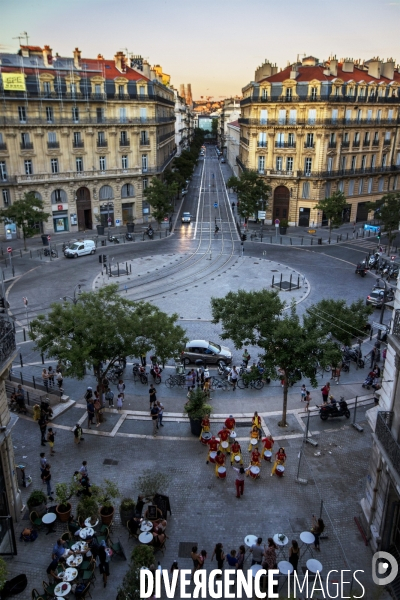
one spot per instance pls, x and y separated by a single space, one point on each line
128 213
107 214
60 218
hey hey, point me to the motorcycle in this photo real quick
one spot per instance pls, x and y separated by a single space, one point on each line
361 269
139 371
150 232
353 354
334 409
115 374
113 238
48 252
129 237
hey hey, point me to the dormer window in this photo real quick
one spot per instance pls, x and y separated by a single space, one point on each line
288 94
264 94
314 93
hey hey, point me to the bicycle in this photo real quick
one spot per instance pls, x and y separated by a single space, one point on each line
218 384
174 380
257 384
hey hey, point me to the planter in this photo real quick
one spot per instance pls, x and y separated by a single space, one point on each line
63 515
41 509
282 230
107 514
130 227
195 426
100 229
126 515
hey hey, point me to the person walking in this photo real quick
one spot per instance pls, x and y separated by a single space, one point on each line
307 400
189 383
143 359
239 482
43 428
231 559
294 554
269 557
193 375
240 557
154 417
47 480
326 390
45 379
88 394
121 389
51 439
257 552
303 392
104 559
78 434
83 469
160 407
119 401
50 374
110 397
246 357
317 529
219 555
152 395
234 375
60 379
43 463
90 413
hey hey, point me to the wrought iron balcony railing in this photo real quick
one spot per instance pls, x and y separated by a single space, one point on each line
7 340
384 434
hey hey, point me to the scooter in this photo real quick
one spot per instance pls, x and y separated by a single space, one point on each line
150 232
353 354
128 236
48 252
113 238
361 269
334 409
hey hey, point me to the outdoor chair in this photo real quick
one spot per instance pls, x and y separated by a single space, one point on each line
35 519
131 534
48 589
117 549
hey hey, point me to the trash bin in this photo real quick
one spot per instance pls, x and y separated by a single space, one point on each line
130 227
45 240
319 241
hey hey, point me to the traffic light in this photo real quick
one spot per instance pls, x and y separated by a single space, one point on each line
378 236
104 258
244 237
2 305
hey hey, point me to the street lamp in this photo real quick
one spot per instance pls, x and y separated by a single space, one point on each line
74 299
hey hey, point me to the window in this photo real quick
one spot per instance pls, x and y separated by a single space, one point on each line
100 115
348 115
143 115
128 191
46 87
379 115
289 163
97 89
72 88
351 187
394 187
263 117
143 138
142 90
288 94
337 91
307 166
102 163
353 163
387 136
101 138
334 115
75 114
292 117
366 137
28 167
306 189
357 137
279 163
79 164
49 114
340 186
121 90
261 164
282 117
124 161
106 193
310 140
52 137
369 116
384 160
343 163
3 170
373 160
22 114
122 115
390 115
361 92
330 164
361 186
380 184
264 94
346 137
314 92
280 140
370 181
77 138
124 138
145 183
363 161
262 140
312 116
376 138
54 165
359 116
59 197
328 186
144 163
398 159
25 140
351 91
6 197
332 138
291 140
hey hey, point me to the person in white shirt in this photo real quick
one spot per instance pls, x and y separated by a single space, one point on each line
240 474
160 412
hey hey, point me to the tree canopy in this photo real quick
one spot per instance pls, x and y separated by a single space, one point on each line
387 210
333 208
160 196
252 193
25 213
289 349
104 326
343 321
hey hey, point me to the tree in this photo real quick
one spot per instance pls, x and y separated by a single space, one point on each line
252 193
25 213
289 349
335 317
333 208
171 177
387 210
103 326
214 126
160 197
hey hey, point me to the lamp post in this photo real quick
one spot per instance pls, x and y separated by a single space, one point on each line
75 297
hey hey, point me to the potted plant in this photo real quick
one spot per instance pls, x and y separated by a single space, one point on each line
196 408
3 573
127 510
151 482
37 501
87 508
99 226
283 225
142 556
107 493
63 494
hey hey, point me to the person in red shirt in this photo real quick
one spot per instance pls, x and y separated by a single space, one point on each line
268 444
219 461
255 458
224 437
230 423
236 451
205 425
256 422
280 458
212 447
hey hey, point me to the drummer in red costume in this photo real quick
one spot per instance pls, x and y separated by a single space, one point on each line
219 461
254 435
212 447
224 437
255 460
268 444
230 423
236 451
256 421
280 458
205 425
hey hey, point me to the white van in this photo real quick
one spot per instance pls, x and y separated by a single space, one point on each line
80 248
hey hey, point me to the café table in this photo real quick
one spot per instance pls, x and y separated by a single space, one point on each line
146 526
254 569
281 543
307 539
48 519
314 565
86 532
250 540
70 574
62 589
88 522
80 547
74 561
146 537
285 569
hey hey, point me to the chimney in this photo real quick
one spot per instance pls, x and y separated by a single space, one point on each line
120 62
77 58
100 57
333 66
182 92
47 56
189 99
388 68
348 65
264 71
294 72
146 69
374 68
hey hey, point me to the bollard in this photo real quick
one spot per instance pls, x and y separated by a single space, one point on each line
143 237
127 269
357 236
298 281
118 269
21 378
42 355
34 381
2 250
24 334
20 360
280 283
290 241
329 241
13 272
273 280
290 283
130 268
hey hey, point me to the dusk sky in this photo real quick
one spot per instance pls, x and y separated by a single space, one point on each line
215 44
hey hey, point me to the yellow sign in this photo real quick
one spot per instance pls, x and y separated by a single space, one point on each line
311 231
14 81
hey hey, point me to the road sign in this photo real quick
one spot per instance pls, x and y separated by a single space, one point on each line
118 222
261 214
9 249
379 326
215 204
277 221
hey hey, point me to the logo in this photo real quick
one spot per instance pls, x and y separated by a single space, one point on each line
384 563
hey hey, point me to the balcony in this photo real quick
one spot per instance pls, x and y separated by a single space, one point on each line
321 122
375 143
285 144
386 142
3 146
145 142
244 140
384 434
259 144
332 145
98 96
345 145
366 143
241 164
350 172
309 145
396 324
102 143
356 144
53 145
7 341
163 137
78 144
26 145
125 143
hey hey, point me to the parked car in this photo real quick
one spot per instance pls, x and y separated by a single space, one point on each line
186 217
223 160
376 297
80 249
209 352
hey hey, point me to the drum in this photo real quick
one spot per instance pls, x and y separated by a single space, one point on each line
232 434
254 472
253 442
267 455
205 436
237 458
212 457
221 472
280 469
225 445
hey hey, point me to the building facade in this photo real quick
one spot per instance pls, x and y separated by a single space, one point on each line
317 127
85 135
183 123
230 111
232 142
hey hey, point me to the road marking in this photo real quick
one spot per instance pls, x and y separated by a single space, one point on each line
198 204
